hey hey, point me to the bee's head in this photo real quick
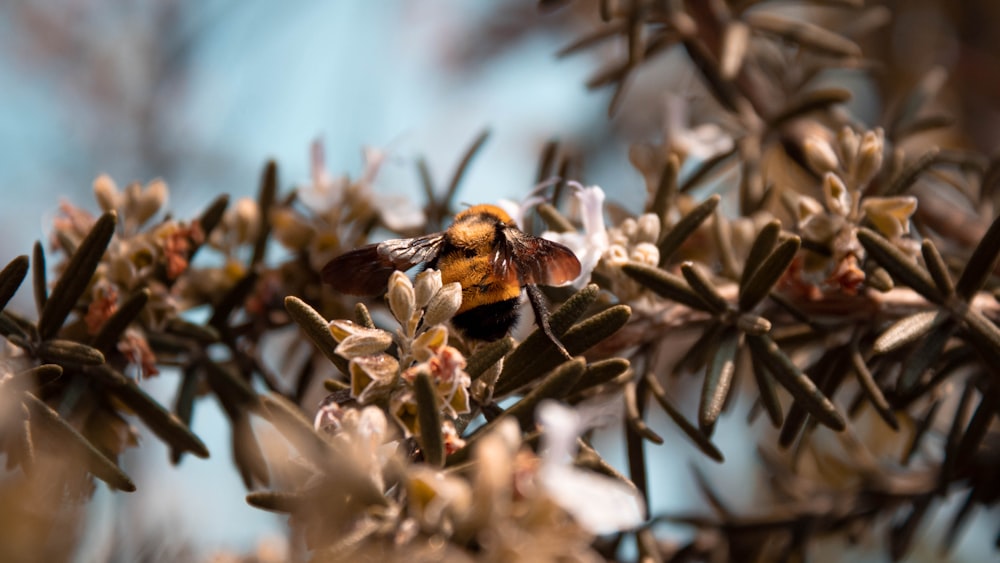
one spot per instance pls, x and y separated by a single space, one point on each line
479 227
485 212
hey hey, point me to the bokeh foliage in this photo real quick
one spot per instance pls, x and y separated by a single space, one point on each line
787 250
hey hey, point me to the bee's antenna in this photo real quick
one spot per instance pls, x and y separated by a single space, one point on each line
545 184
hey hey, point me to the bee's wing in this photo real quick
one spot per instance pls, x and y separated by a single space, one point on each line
538 261
366 271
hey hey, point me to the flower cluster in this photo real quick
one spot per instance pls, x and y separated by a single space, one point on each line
331 215
847 167
510 503
421 347
603 250
514 502
141 255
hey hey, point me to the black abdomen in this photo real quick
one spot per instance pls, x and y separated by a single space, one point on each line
488 322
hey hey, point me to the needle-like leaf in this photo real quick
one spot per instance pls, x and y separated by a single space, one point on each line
759 284
797 383
76 276
685 227
429 420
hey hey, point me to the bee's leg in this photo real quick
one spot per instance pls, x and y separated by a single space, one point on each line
541 310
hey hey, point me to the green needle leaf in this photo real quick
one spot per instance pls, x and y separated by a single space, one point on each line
768 393
211 217
797 383
872 390
294 426
984 332
665 285
273 501
685 227
553 385
981 264
700 440
112 329
362 316
202 334
247 455
925 355
806 35
487 355
899 265
231 388
429 420
265 199
235 297
317 329
759 283
67 351
63 435
11 277
162 422
559 321
907 330
76 277
38 277
184 403
701 285
762 247
937 268
666 189
717 381
599 373
553 219
577 340
814 100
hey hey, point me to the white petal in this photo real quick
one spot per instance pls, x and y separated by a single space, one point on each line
599 503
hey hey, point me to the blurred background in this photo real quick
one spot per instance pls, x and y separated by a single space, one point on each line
201 94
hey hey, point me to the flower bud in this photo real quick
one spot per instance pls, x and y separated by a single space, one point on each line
244 218
753 324
401 297
649 228
373 341
426 284
616 254
820 155
848 141
646 253
807 207
290 229
869 156
835 194
356 340
890 215
444 304
149 201
106 193
428 343
372 374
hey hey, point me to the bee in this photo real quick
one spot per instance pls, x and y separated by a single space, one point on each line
485 252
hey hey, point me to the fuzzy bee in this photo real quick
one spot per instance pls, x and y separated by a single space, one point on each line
485 252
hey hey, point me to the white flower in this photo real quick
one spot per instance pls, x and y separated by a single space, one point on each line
590 245
698 143
599 503
518 210
326 194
